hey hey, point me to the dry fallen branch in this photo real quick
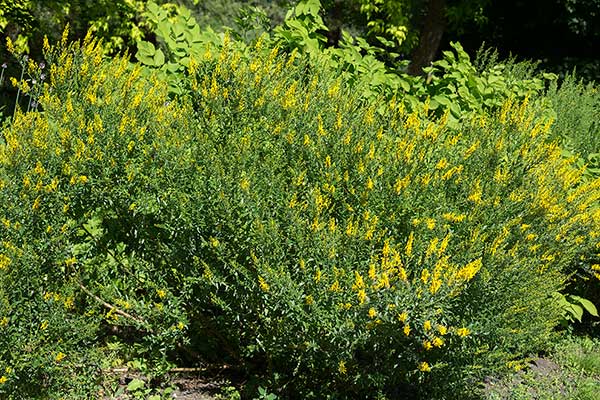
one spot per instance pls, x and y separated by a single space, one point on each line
114 309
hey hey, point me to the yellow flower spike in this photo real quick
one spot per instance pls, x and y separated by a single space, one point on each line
432 247
372 272
476 193
427 345
262 284
402 317
424 366
425 276
335 287
245 184
372 313
467 272
318 276
437 342
409 244
441 164
442 329
427 325
362 296
463 332
309 300
10 45
402 274
44 325
406 330
359 282
471 150
402 184
342 367
36 203
435 285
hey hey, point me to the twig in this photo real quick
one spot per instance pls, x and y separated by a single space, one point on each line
124 370
113 308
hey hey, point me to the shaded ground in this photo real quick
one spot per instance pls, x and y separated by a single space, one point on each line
571 372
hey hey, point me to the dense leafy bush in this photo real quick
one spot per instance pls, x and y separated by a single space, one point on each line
332 245
74 246
453 83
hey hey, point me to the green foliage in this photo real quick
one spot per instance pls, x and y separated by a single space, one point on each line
181 40
573 307
117 22
453 83
569 371
75 257
331 240
577 112
391 19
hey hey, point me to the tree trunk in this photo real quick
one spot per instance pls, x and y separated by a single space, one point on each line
430 37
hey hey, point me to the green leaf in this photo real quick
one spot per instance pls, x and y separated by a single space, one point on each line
159 58
576 311
588 305
135 384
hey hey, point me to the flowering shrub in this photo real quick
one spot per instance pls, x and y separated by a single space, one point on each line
394 249
330 248
75 253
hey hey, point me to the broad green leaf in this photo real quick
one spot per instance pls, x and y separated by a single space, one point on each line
588 305
135 384
159 58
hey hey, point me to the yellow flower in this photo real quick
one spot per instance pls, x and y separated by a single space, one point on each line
442 329
406 329
60 356
427 345
318 276
443 163
4 261
70 261
467 272
372 312
427 325
403 317
437 342
36 203
245 184
3 380
424 367
161 293
430 222
359 282
463 332
409 244
362 296
309 300
264 286
342 367
44 325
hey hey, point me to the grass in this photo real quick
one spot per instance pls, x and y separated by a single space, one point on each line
571 371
